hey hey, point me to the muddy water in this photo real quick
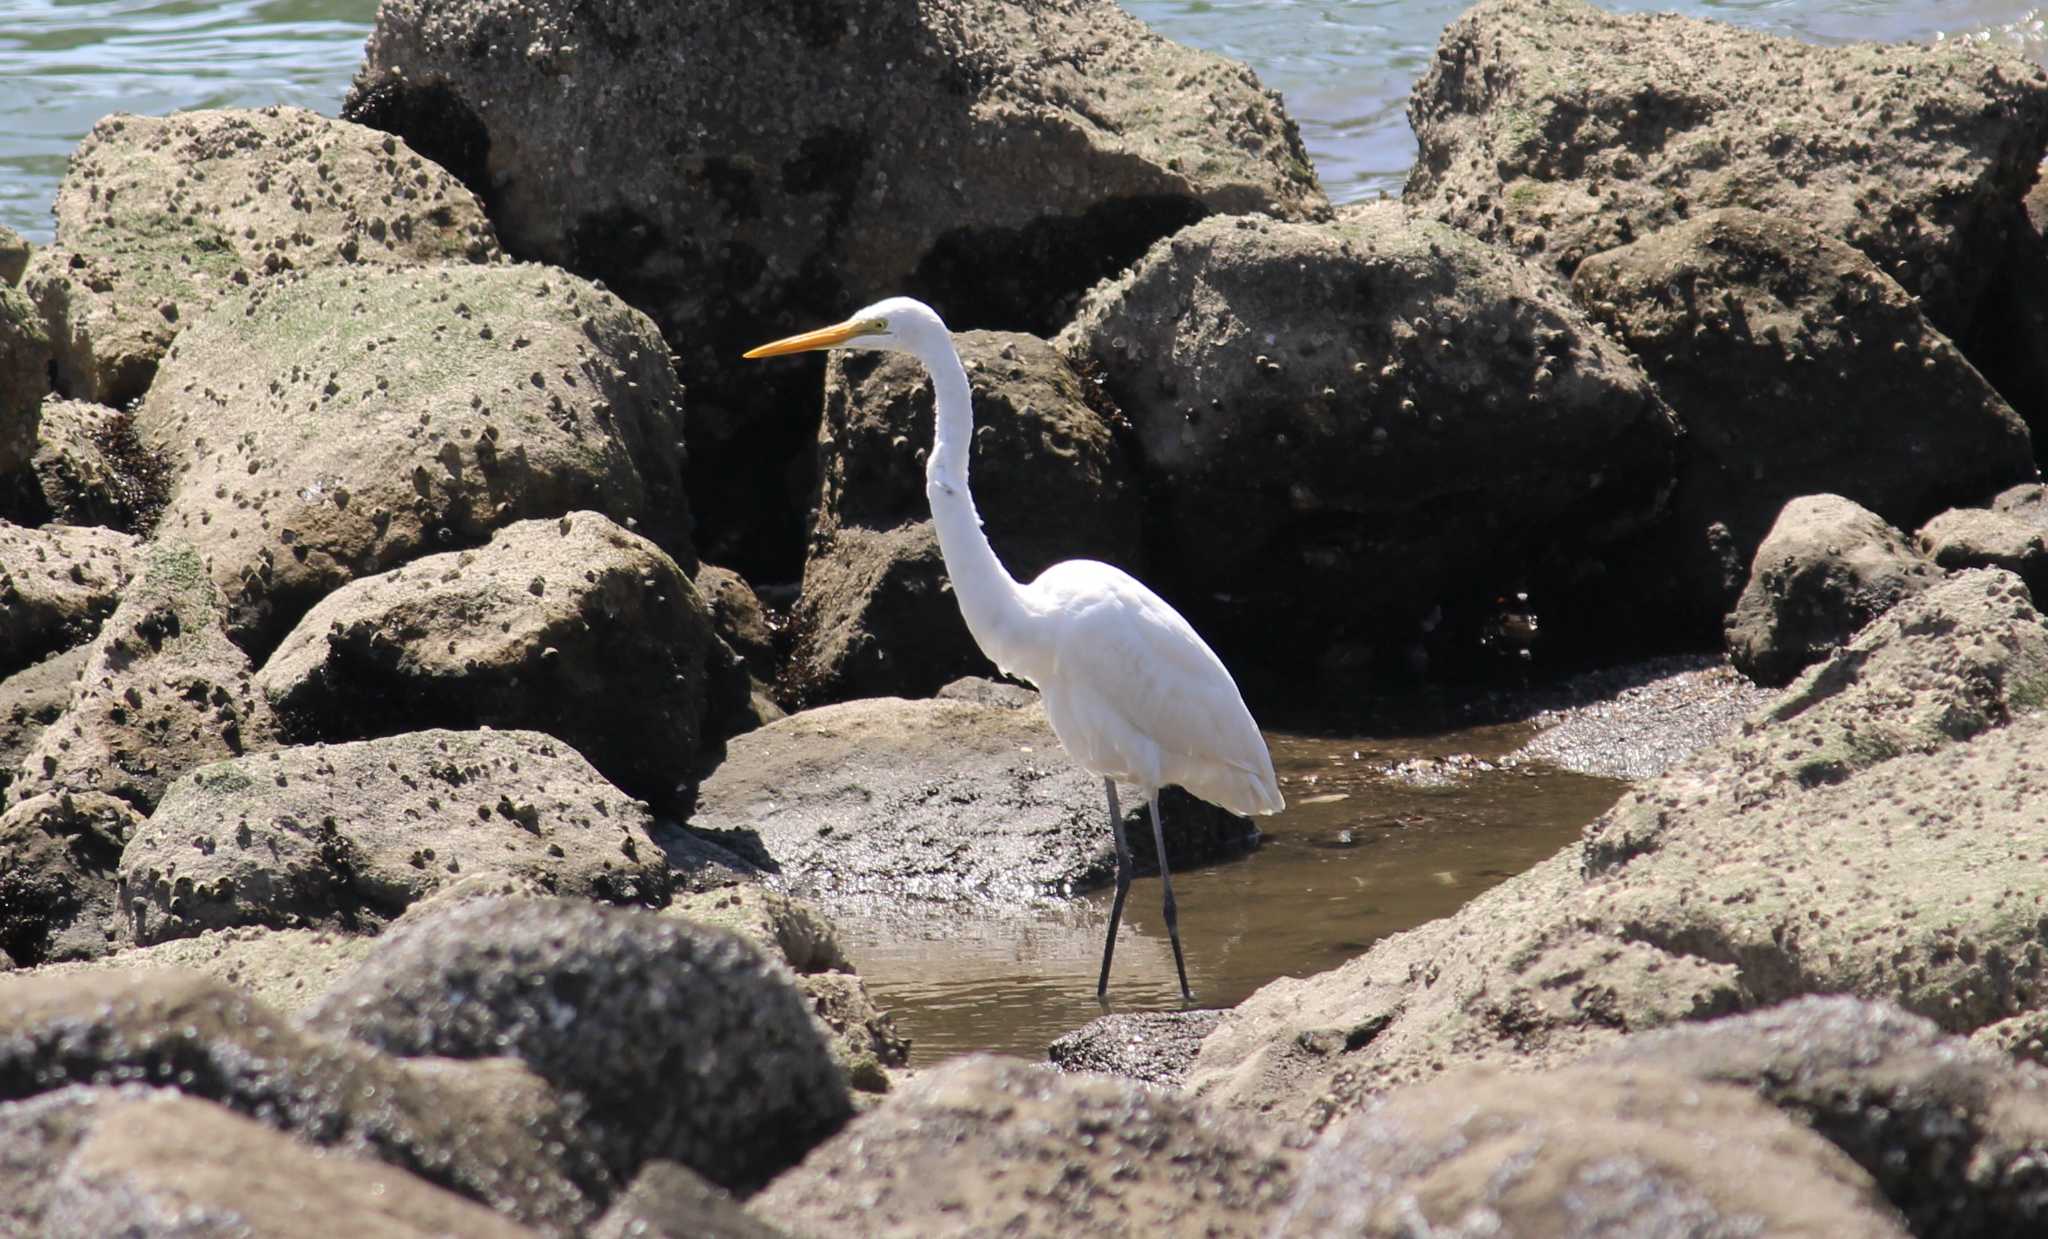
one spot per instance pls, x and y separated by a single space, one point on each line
1379 835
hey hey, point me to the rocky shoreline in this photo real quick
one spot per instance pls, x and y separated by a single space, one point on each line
416 823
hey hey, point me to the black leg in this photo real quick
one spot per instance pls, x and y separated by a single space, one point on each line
1172 914
1123 887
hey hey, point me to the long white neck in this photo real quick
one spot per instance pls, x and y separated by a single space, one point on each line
990 600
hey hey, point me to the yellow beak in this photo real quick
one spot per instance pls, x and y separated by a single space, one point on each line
823 337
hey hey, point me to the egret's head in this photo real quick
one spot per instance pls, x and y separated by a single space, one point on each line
898 324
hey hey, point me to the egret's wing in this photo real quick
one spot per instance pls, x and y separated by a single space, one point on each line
1138 657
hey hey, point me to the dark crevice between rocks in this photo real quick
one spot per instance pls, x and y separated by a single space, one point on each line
2008 341
1030 278
434 121
142 479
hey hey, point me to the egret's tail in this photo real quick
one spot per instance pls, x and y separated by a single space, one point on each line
1244 792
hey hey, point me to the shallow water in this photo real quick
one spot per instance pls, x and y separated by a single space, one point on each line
1379 835
1344 66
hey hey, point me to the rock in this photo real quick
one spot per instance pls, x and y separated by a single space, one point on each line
1866 834
699 861
983 691
1357 431
24 377
787 929
1558 130
805 184
332 426
154 1167
510 1146
1953 1134
14 252
863 1039
1986 538
1638 1151
2024 1037
163 690
90 470
1828 567
877 616
56 584
159 218
571 625
58 856
1153 1047
2028 501
683 1042
1966 656
749 638
37 1135
936 800
668 1200
1053 1154
347 836
30 700
284 969
1797 367
738 618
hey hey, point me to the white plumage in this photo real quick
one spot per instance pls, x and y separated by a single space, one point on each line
1134 693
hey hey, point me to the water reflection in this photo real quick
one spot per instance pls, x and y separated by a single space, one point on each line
1379 835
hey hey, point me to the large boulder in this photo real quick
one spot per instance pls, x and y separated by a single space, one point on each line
497 1137
877 615
993 158
1828 567
1954 1134
573 626
348 836
1797 367
1867 833
936 801
333 425
163 690
682 1042
985 1145
1559 130
56 584
160 217
1357 431
150 1166
1637 1151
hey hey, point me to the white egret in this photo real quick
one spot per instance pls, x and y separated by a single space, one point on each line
1134 694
